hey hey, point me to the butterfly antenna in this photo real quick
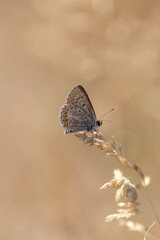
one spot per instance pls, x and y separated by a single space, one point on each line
106 113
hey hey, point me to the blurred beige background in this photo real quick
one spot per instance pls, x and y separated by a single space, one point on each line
49 182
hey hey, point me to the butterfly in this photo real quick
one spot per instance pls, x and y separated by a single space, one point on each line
78 114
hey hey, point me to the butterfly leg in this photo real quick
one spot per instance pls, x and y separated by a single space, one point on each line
87 139
92 138
84 137
94 135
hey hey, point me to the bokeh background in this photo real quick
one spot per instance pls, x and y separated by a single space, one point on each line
49 182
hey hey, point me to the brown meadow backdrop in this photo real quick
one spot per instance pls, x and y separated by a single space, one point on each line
49 182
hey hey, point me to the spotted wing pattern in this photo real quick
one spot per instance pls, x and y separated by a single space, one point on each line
78 96
74 119
78 114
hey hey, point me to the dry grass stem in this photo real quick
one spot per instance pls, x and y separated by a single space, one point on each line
126 196
117 216
147 232
126 192
111 148
133 226
138 227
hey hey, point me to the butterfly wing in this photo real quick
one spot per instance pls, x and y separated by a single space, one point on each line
74 119
79 97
